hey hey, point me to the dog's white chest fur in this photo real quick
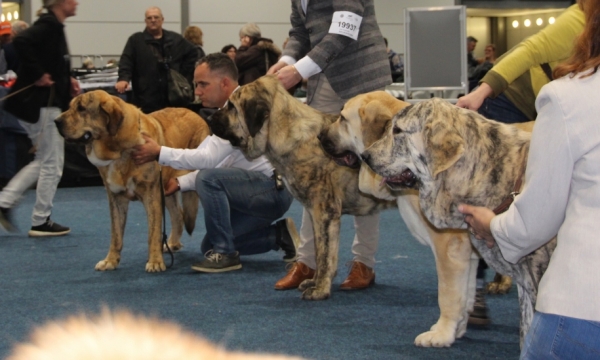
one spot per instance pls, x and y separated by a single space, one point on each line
114 179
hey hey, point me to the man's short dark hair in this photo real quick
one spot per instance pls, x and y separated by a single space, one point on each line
221 64
470 38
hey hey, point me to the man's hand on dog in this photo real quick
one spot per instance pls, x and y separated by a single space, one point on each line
146 152
479 220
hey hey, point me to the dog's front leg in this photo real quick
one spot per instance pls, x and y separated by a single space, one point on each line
326 225
152 204
118 205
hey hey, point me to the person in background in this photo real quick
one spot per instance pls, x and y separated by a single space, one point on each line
194 34
10 53
472 62
561 198
255 55
241 198
396 64
146 59
230 50
5 38
43 53
338 65
485 65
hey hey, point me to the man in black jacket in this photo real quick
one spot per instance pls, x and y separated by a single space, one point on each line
146 59
44 63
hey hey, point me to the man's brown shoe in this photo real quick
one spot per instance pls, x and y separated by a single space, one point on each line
360 277
297 274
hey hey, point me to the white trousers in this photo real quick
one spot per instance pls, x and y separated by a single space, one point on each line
46 168
366 239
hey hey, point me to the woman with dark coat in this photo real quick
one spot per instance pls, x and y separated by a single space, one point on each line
255 55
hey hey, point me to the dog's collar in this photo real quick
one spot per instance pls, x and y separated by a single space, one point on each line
505 204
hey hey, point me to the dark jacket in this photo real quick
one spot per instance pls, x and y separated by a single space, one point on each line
41 49
254 61
143 63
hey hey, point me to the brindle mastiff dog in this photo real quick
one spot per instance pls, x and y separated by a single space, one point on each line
362 122
110 128
459 156
262 118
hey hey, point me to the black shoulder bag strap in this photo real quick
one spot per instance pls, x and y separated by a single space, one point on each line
547 70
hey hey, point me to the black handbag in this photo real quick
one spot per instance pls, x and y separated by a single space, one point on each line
25 102
179 89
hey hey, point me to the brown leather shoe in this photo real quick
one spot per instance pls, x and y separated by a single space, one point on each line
360 277
297 274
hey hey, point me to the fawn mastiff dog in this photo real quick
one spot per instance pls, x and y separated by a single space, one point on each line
262 118
110 128
458 156
122 335
362 122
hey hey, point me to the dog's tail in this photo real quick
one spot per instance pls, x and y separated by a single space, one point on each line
190 201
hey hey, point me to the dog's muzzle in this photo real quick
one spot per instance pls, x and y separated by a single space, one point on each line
406 179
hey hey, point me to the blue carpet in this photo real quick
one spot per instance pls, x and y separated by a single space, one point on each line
43 279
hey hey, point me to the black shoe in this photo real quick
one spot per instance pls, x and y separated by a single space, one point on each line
479 316
6 222
49 228
216 262
287 238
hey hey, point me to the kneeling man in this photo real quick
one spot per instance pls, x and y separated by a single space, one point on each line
241 198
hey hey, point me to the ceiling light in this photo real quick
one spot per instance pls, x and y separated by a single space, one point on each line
551 20
527 22
9 16
2 18
539 22
16 15
515 24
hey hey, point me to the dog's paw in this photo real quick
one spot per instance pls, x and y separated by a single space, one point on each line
175 247
315 294
435 338
500 285
307 284
155 266
105 265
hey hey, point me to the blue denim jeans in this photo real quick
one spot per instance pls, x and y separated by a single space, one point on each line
503 110
561 337
239 208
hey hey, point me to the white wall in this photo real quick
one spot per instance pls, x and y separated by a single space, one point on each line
102 27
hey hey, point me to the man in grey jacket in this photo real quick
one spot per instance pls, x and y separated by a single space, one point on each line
338 47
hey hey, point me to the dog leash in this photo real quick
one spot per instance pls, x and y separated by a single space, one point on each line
16 92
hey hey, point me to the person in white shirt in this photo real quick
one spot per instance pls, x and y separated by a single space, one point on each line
561 198
241 198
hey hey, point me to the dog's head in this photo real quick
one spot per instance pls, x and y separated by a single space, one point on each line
244 119
421 143
91 116
361 122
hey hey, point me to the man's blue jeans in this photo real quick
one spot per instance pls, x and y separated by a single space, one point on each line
561 337
239 208
503 110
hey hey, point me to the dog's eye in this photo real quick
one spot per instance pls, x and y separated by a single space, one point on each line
397 130
80 108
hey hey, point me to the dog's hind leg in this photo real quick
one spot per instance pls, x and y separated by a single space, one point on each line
453 252
176 215
326 226
118 205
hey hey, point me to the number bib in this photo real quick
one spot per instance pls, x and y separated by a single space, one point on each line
345 23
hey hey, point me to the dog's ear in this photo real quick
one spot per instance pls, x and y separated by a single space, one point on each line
256 111
111 107
376 116
444 144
